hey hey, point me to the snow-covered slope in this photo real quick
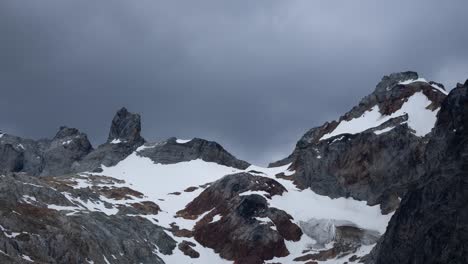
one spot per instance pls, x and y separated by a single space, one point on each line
420 118
173 186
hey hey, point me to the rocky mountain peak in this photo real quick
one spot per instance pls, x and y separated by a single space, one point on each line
125 127
389 81
66 132
430 224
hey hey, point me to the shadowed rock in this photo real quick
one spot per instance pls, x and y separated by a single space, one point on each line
432 222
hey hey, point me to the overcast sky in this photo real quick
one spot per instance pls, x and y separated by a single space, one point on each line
252 75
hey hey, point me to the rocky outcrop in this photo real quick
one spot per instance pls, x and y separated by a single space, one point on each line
371 164
67 147
238 223
124 138
125 127
173 151
36 225
431 224
19 154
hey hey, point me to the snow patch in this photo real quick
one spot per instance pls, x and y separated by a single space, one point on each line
435 86
261 193
183 141
216 218
27 258
420 118
116 141
384 130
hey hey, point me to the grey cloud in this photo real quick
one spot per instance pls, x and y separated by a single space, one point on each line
252 75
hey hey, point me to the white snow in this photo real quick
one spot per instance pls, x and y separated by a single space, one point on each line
1 135
216 218
183 141
420 119
303 205
435 86
156 181
263 220
28 199
384 130
27 258
6 231
262 193
116 141
21 146
67 142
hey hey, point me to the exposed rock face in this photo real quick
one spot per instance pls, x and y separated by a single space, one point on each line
247 229
371 165
124 138
126 127
171 151
29 229
66 148
432 222
20 154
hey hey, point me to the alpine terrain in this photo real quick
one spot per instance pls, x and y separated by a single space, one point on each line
383 183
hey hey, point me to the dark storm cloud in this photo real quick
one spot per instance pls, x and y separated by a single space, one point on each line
253 75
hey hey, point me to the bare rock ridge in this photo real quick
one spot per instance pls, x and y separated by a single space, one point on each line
366 153
70 150
173 151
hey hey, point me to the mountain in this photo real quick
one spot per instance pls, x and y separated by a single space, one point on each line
396 159
432 222
373 152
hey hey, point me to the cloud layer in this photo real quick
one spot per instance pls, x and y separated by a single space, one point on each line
252 75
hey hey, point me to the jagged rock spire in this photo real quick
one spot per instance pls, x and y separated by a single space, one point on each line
125 127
